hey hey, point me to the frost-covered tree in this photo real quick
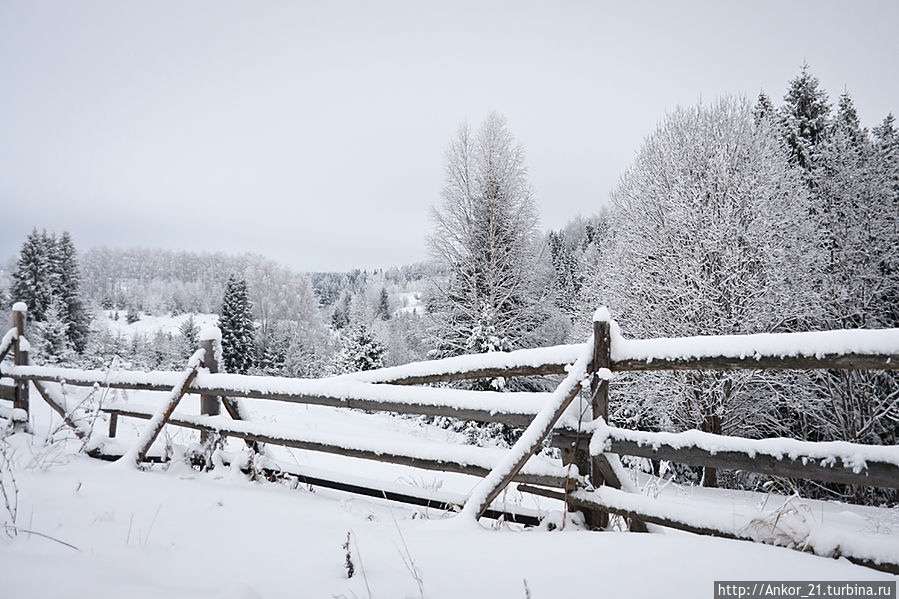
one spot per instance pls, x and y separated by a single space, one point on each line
485 242
763 108
383 309
54 331
67 283
806 117
340 316
190 336
47 272
360 350
707 235
32 280
236 323
858 220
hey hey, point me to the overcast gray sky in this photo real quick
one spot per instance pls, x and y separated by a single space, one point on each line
314 132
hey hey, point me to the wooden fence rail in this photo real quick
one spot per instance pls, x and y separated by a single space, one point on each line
826 469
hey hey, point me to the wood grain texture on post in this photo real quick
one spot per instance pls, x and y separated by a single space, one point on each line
20 354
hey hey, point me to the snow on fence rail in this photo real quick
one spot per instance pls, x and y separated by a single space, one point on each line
849 348
517 409
829 461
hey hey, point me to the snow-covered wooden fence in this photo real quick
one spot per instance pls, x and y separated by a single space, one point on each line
580 427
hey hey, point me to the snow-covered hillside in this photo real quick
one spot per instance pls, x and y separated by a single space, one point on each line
149 324
103 529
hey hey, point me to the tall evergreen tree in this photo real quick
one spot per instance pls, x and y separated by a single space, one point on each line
806 114
32 281
190 334
340 317
54 329
383 310
763 108
236 323
67 283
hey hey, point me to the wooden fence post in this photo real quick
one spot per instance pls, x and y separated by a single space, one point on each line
210 405
600 470
20 355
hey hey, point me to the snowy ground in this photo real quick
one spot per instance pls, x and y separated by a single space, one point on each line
149 324
179 533
410 303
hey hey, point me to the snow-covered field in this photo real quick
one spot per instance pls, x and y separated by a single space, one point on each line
410 303
149 324
177 532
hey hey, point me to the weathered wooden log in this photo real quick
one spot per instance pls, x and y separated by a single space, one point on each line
91 378
601 472
479 373
210 405
378 456
8 392
849 361
113 425
20 355
875 474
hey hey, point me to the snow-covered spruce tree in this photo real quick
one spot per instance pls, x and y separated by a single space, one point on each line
708 234
360 349
340 316
763 109
190 337
67 282
236 323
383 309
54 332
485 243
805 117
32 280
47 272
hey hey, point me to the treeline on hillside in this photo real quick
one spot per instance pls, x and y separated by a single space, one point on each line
304 325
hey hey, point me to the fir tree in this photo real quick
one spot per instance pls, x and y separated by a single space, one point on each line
190 333
763 108
55 332
32 282
383 311
806 115
847 118
67 283
361 350
236 323
340 317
